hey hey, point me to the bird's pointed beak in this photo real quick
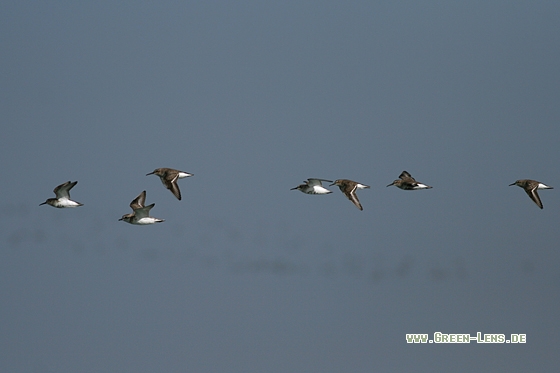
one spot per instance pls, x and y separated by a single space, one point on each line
293 188
151 173
44 203
391 184
511 184
332 184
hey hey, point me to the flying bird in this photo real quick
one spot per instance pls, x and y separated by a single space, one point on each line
349 187
530 187
140 214
62 199
169 178
407 182
313 186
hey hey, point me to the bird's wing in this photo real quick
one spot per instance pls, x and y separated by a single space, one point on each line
139 201
63 190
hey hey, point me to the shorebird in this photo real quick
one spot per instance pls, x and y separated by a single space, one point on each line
140 214
530 187
349 187
313 186
407 182
62 199
169 178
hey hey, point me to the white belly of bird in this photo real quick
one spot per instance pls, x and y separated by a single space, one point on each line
147 220
65 202
319 190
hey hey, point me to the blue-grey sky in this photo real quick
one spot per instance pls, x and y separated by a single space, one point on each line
254 97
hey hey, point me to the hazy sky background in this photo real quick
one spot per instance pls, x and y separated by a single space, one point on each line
254 97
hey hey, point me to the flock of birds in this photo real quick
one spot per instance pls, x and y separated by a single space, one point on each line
349 187
140 214
404 182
